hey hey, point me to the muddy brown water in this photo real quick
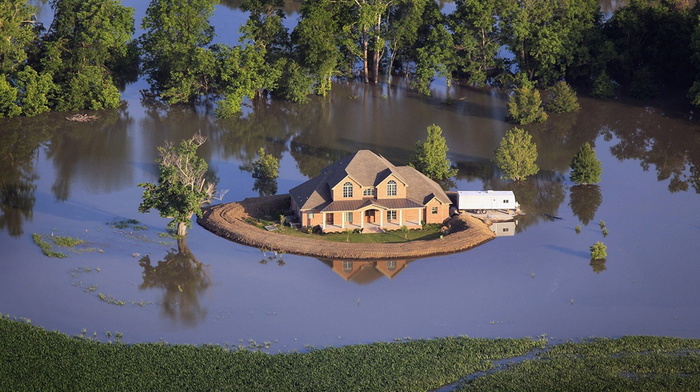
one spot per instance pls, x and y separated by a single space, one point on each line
65 179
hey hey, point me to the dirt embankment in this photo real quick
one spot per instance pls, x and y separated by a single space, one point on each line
228 221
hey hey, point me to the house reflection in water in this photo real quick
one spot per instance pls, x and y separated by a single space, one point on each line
365 272
503 229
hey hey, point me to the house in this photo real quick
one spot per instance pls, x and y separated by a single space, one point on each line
365 191
486 200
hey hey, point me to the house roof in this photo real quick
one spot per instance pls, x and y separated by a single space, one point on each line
367 169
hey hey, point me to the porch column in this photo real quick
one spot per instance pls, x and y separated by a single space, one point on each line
420 215
400 218
342 220
323 221
362 219
381 218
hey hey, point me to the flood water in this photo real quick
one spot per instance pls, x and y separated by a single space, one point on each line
66 179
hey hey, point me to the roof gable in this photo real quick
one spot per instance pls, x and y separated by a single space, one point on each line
367 169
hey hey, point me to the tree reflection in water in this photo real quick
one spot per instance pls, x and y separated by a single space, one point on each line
183 278
598 266
20 139
584 201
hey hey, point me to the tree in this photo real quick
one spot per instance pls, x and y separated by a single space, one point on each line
175 54
317 39
525 106
516 155
182 187
85 50
545 35
475 37
431 156
562 98
265 171
18 32
266 167
585 166
598 251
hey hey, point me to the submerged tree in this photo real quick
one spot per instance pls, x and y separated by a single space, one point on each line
562 98
585 166
175 55
525 106
516 156
265 172
431 156
182 187
599 251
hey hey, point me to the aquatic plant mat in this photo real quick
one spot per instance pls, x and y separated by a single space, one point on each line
33 359
237 222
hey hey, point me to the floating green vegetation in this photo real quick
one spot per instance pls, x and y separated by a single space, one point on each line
46 247
114 301
47 242
67 242
122 224
110 300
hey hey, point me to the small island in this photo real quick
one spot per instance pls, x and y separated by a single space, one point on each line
230 221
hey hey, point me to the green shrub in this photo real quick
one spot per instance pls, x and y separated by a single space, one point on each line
598 251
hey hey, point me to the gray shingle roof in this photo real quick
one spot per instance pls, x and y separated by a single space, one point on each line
368 169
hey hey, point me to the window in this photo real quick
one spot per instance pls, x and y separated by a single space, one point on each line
311 215
347 266
347 189
391 265
505 201
391 188
368 192
391 215
505 229
348 217
434 210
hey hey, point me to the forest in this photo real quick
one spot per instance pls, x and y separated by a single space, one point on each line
88 53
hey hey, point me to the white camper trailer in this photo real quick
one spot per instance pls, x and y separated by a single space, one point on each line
481 201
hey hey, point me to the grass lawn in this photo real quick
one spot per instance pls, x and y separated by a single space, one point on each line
430 232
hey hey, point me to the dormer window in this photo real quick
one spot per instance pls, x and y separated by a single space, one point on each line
347 189
368 192
391 188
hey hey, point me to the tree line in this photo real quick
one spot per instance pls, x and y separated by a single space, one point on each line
88 53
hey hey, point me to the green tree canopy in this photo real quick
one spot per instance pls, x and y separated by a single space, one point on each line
516 156
87 44
175 54
18 34
183 187
431 156
562 98
525 106
585 166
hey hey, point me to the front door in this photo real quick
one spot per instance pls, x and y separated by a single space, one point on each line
370 216
329 219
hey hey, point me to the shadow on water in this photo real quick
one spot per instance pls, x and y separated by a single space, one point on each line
183 280
569 252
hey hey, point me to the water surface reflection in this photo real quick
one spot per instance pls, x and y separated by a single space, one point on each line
183 279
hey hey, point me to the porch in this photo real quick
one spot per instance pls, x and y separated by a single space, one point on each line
371 220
